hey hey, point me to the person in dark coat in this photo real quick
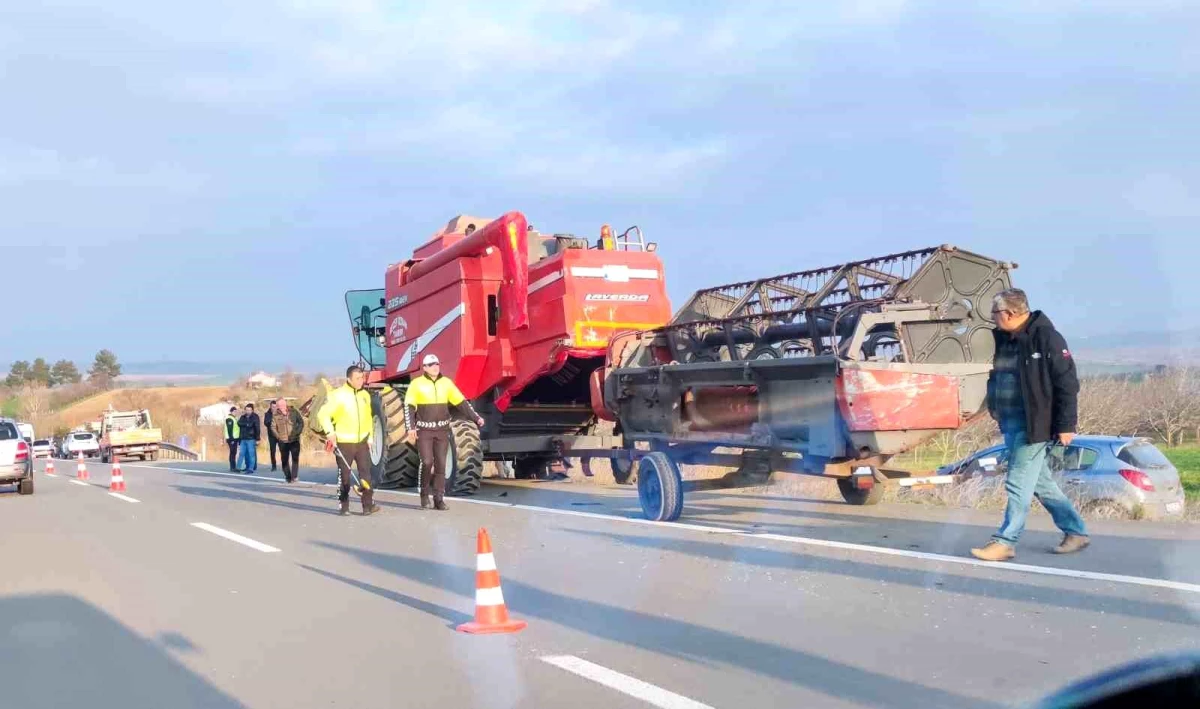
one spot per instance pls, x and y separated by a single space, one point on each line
272 441
1033 395
251 429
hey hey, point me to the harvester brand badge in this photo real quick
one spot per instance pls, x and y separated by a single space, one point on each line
397 301
396 330
618 297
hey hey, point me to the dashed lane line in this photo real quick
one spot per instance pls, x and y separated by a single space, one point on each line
234 537
631 686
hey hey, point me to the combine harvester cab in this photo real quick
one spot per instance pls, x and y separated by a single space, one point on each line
828 372
520 321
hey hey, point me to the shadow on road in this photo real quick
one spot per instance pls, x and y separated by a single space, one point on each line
59 651
451 616
680 639
916 578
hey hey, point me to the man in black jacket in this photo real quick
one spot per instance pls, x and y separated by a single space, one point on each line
1032 394
251 430
272 442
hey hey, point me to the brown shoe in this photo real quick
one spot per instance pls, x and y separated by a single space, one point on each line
439 505
994 551
1072 543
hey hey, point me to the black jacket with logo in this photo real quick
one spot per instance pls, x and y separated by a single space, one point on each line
1049 383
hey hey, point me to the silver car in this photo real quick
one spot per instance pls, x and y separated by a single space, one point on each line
1107 475
16 458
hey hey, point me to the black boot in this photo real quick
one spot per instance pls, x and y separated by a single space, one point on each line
368 502
345 508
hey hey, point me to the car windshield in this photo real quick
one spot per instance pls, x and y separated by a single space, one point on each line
41 442
1144 455
83 436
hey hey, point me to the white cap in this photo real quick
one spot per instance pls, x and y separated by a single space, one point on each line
430 359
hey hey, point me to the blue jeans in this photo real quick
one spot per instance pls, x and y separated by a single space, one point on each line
249 453
1029 475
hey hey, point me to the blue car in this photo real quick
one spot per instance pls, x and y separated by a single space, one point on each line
1108 475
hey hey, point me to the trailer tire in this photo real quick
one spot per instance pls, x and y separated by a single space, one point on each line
394 462
464 460
660 487
854 496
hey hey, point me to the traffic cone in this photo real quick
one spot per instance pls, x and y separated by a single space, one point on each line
81 472
117 484
49 467
491 615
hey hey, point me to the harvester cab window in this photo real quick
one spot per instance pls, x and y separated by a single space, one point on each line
368 323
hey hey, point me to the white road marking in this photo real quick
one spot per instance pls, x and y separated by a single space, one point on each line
808 541
631 686
52 475
119 496
247 541
80 482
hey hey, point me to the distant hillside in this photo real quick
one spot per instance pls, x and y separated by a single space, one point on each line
214 373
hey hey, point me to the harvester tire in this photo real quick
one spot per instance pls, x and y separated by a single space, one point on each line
660 487
854 496
394 463
464 459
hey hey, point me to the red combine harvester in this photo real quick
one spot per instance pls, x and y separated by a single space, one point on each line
520 320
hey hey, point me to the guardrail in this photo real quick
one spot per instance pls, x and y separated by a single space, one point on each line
174 452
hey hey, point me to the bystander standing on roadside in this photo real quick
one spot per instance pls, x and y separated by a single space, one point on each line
272 441
1033 396
233 438
287 425
251 429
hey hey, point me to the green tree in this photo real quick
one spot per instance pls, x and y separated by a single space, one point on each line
39 372
18 375
105 368
64 372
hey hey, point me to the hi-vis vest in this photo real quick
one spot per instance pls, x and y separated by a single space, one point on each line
237 430
427 402
347 413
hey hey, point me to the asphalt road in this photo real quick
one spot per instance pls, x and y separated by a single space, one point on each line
756 601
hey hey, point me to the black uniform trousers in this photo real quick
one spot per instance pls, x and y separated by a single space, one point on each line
358 454
234 446
433 444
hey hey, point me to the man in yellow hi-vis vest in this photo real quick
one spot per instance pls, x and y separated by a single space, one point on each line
345 417
427 418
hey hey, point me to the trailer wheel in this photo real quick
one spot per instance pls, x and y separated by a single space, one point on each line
394 463
464 460
854 496
660 487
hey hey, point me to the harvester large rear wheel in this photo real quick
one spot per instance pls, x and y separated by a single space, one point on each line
464 460
394 463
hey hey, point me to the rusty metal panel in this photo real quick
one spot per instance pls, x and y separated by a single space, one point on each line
888 400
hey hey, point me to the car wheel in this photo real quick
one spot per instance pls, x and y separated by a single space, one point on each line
25 487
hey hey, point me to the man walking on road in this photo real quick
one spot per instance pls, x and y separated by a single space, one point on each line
1032 394
427 419
233 438
251 434
272 441
345 417
286 427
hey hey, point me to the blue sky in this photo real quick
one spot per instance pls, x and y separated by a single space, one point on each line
218 174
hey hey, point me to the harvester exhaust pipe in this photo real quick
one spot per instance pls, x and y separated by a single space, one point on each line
507 235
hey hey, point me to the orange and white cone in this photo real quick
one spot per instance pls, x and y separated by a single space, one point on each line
491 615
81 472
117 484
49 467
